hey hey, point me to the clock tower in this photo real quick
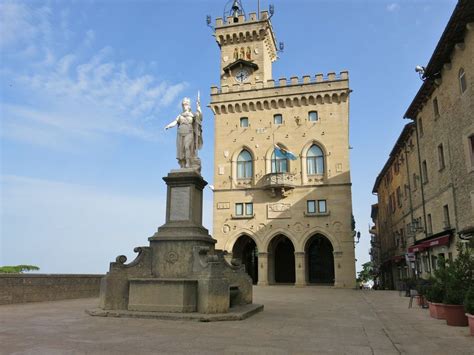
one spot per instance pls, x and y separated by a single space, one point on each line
248 48
282 186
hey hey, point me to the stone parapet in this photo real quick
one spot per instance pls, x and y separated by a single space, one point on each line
305 82
21 288
281 93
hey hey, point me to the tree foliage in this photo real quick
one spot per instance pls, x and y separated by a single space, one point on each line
367 273
18 269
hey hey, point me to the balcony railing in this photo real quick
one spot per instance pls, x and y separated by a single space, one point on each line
278 182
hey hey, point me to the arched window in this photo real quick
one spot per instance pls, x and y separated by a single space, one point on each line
244 165
315 161
279 164
462 80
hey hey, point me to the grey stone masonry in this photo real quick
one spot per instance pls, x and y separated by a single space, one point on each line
180 272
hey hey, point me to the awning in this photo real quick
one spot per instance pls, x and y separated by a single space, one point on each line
398 258
417 248
436 242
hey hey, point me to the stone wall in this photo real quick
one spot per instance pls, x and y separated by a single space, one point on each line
21 288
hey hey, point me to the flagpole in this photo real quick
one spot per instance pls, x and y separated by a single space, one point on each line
274 153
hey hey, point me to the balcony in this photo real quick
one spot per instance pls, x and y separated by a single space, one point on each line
279 183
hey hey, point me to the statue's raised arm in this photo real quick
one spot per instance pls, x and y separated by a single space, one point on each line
189 135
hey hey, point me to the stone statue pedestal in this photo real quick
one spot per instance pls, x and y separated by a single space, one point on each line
183 232
180 272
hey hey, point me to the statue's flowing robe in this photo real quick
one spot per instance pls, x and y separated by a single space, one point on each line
189 137
185 136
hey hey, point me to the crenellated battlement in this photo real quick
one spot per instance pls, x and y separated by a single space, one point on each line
241 19
283 82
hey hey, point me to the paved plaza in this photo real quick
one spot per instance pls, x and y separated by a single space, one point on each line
295 320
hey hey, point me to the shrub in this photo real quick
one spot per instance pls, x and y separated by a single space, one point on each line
435 292
469 300
423 285
457 276
18 269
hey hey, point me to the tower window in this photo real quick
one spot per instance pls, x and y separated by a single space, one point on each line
399 197
420 126
249 209
313 116
436 107
315 161
239 209
322 208
471 149
424 172
462 80
244 165
244 209
279 164
316 206
429 223
441 157
447 223
277 119
244 122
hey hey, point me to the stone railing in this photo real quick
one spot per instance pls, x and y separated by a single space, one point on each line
275 180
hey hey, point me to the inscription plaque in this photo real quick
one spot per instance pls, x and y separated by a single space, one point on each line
223 205
179 203
278 210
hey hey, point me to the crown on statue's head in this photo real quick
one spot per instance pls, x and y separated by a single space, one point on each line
186 101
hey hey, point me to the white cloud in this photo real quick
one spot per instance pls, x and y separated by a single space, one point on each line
393 7
16 23
70 93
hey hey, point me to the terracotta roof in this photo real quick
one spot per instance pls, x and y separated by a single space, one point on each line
453 33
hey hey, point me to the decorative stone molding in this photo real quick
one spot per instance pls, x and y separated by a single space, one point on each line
273 104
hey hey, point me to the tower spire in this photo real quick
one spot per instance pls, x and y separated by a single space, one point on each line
234 10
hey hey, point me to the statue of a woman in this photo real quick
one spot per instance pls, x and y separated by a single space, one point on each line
189 135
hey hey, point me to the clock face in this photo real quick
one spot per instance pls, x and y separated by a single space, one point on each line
242 75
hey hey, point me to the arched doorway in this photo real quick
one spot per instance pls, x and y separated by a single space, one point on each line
283 253
320 257
246 250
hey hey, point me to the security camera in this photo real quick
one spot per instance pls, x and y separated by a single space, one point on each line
420 69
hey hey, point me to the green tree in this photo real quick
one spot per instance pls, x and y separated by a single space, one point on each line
367 272
18 269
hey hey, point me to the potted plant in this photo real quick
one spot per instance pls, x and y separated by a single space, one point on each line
459 275
469 308
435 296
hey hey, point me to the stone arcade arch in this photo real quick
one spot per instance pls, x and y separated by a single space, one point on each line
320 260
246 250
281 260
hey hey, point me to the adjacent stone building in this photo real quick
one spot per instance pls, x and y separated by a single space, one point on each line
426 188
289 221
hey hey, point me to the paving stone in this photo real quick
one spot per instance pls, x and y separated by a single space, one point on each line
295 321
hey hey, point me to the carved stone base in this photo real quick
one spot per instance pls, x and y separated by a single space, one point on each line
236 313
180 271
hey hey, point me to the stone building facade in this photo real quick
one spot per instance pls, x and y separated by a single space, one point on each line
426 188
288 220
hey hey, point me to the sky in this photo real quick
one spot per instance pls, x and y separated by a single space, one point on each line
86 88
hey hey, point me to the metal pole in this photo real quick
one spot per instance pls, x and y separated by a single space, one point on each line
258 9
